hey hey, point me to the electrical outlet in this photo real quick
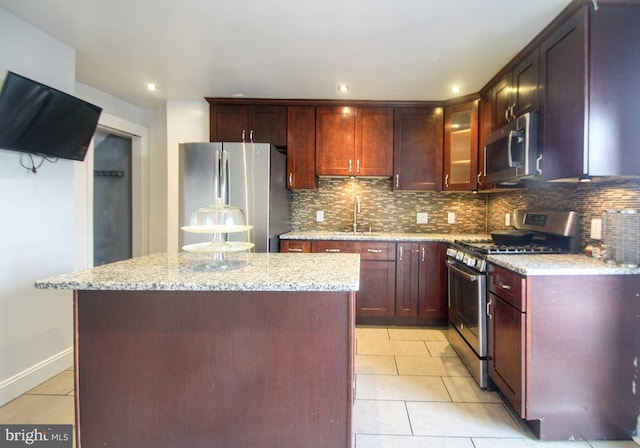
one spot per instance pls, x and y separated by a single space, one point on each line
422 218
596 229
320 216
507 219
451 218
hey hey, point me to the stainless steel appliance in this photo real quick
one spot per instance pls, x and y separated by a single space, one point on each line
467 263
510 153
250 176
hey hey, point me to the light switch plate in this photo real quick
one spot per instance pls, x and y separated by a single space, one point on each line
451 218
422 218
507 219
320 216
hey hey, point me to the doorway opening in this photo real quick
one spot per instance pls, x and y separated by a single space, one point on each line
112 198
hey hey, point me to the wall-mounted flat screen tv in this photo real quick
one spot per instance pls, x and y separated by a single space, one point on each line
38 119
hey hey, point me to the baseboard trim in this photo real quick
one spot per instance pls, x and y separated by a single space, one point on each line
26 380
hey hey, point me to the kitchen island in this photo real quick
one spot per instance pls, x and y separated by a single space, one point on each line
170 353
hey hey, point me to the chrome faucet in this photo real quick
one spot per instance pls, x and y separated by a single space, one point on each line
356 210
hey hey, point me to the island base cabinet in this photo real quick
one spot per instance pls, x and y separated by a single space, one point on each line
214 369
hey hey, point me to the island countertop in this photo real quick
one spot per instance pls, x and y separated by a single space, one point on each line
188 272
550 264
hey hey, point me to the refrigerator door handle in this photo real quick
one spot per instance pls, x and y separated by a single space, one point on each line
216 175
224 173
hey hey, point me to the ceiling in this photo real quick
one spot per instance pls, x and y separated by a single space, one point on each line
383 49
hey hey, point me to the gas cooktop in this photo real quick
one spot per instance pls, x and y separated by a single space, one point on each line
488 247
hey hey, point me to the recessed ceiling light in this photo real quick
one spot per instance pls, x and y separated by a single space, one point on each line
343 88
151 87
455 89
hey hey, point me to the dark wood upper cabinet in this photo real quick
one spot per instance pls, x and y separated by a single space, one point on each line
301 147
354 141
589 91
417 148
461 146
517 92
250 123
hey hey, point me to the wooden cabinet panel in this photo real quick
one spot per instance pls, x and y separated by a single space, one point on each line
297 246
421 281
432 297
508 285
354 141
376 297
332 246
374 141
407 279
417 148
251 123
268 124
301 147
228 122
507 351
563 79
370 250
335 144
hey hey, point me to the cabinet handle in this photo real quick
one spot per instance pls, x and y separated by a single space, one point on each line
506 114
358 166
332 250
446 181
400 252
374 251
251 135
422 253
478 178
295 249
503 286
244 135
488 310
350 166
397 181
291 179
538 169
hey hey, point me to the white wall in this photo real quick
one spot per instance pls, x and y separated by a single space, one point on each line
45 224
187 121
36 228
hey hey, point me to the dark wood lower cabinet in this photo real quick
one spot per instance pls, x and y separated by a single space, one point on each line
506 350
564 350
421 282
202 369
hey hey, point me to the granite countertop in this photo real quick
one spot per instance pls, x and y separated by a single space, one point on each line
548 264
380 236
188 272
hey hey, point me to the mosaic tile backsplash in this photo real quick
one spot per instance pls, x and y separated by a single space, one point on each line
385 210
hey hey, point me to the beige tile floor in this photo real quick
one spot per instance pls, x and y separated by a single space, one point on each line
412 391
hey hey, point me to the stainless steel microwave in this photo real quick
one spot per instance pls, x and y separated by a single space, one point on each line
510 153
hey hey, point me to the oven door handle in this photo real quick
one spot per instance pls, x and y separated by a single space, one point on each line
466 275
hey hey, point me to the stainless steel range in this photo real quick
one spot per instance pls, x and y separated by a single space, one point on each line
536 232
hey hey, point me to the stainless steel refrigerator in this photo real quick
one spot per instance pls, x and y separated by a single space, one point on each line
250 176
